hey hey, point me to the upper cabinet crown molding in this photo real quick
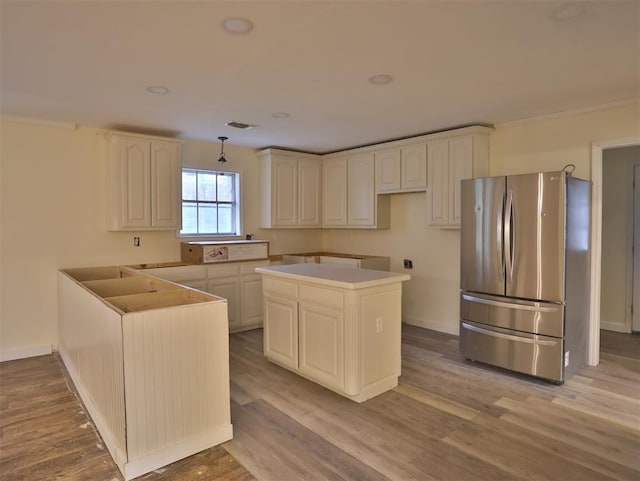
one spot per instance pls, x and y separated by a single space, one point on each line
347 194
143 183
291 189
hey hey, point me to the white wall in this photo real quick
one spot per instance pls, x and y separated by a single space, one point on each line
52 204
430 298
617 230
52 208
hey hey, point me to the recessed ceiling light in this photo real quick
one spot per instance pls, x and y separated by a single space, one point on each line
380 79
158 90
239 125
280 115
568 11
237 25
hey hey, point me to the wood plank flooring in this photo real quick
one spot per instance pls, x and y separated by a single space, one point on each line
449 419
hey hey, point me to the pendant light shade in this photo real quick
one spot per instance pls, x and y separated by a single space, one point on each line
222 157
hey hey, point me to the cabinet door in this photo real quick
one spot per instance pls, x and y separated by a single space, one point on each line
281 330
135 175
251 295
414 167
309 192
322 344
361 190
438 191
165 185
229 288
284 192
387 170
460 167
334 192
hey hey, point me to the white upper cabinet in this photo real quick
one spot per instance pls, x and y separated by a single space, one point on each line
349 196
143 183
291 189
449 161
310 192
334 192
413 167
361 193
403 169
388 170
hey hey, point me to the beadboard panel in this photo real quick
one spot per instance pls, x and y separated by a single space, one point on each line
176 382
151 367
91 348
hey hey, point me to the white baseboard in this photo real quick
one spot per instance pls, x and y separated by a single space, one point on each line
25 353
613 326
434 326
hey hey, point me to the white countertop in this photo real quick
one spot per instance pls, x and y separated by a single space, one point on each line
334 275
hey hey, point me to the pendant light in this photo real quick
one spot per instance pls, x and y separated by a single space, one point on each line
222 157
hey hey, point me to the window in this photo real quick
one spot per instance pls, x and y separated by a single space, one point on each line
210 202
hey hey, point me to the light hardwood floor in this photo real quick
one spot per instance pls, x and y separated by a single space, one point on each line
449 419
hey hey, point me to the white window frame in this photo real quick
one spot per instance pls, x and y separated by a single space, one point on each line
236 205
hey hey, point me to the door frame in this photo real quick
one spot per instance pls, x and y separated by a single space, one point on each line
597 149
633 280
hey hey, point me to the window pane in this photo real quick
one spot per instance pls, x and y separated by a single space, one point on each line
225 219
188 185
225 188
206 186
189 218
207 219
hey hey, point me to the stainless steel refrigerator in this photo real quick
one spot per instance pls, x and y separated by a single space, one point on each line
524 280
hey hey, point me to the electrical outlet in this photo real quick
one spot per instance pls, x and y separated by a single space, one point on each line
378 324
408 264
136 241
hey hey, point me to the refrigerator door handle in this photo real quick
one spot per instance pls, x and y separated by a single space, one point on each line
510 337
508 232
522 307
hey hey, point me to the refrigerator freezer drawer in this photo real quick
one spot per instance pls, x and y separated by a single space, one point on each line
539 356
534 317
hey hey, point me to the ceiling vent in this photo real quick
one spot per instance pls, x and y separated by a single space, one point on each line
239 125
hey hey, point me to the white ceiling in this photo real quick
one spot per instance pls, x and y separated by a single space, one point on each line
454 63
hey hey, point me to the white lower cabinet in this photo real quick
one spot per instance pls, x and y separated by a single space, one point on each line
281 338
237 282
251 305
229 288
321 344
347 340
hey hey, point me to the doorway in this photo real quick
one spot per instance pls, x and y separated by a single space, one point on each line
597 150
617 273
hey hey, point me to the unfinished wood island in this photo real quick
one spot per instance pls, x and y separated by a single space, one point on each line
150 360
335 325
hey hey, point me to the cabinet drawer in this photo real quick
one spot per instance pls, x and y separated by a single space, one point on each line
225 270
178 273
322 295
280 288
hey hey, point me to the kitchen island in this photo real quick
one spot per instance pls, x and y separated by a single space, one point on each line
334 325
150 360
